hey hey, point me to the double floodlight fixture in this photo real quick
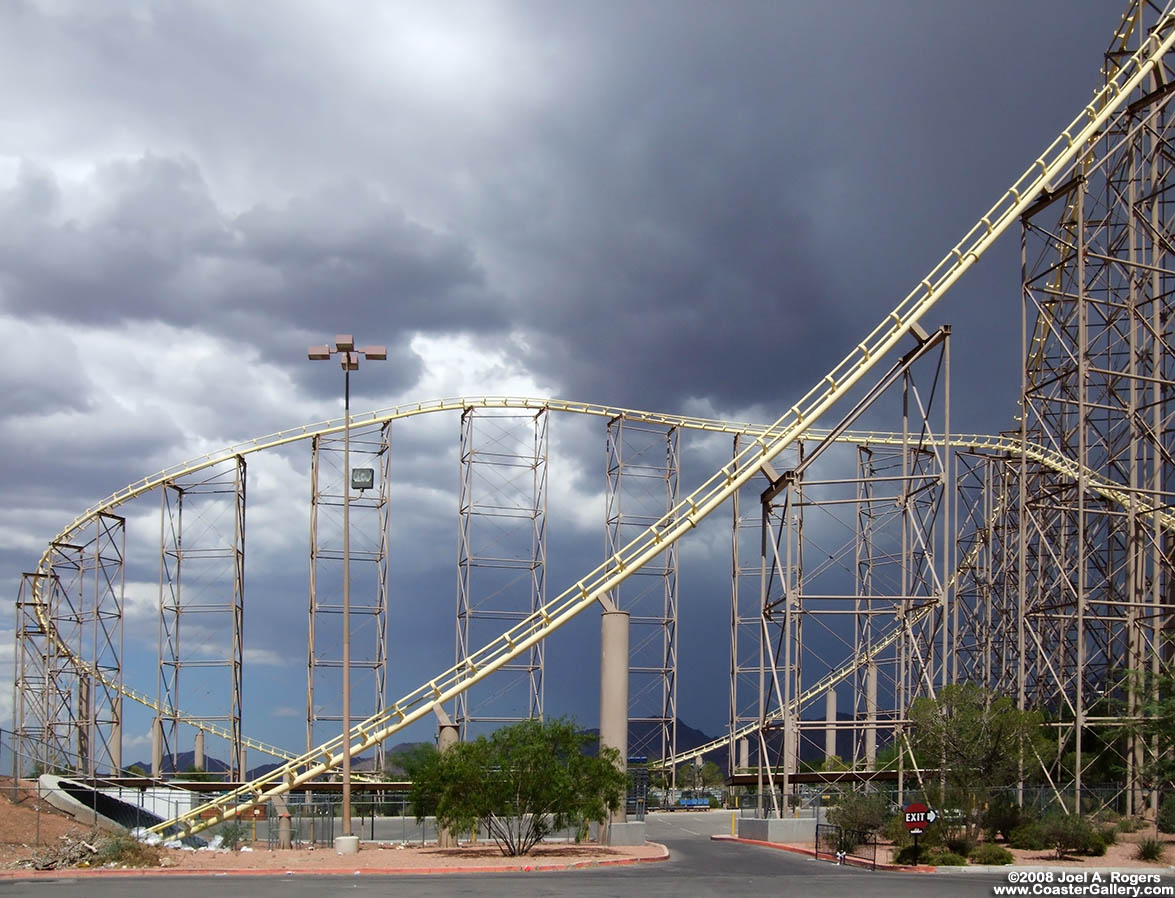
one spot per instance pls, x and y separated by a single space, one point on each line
348 354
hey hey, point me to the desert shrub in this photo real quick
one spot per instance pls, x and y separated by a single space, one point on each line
1001 817
946 859
1096 847
894 830
1028 836
863 811
988 853
908 855
232 835
1109 833
958 842
1069 834
1129 825
124 850
1166 817
1150 849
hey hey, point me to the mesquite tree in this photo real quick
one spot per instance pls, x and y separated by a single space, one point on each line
521 783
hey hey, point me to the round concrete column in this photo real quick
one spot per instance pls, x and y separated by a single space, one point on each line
614 694
447 737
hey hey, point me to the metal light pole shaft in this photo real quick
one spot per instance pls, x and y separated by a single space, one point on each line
347 600
350 353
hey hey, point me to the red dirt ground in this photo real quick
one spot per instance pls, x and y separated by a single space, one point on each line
29 827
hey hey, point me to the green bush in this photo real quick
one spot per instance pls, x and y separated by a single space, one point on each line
988 853
1096 846
1129 825
907 855
895 831
946 859
1001 817
1028 836
960 843
1166 817
1150 849
1069 834
233 834
1109 834
862 811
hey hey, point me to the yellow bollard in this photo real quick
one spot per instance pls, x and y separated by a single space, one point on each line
733 831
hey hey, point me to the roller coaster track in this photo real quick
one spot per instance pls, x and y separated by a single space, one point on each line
1055 462
1048 169
977 442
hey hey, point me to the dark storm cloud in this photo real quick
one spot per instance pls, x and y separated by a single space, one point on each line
155 247
726 199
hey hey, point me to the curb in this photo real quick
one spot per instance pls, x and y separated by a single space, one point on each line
141 873
809 852
970 868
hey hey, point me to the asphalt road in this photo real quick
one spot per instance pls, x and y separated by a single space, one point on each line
698 867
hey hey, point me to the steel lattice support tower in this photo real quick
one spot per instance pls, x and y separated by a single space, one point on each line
501 556
643 471
201 606
987 621
1098 385
854 573
370 522
99 608
34 649
64 684
746 610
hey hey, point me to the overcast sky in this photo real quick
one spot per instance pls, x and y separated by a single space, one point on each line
680 206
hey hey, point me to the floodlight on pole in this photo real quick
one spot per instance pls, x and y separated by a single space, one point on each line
344 348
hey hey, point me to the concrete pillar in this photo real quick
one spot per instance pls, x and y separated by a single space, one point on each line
448 736
157 748
116 744
243 765
791 745
614 697
829 724
198 753
871 716
744 754
284 830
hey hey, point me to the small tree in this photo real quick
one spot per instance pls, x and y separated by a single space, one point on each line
410 761
711 774
521 783
978 738
859 812
1158 725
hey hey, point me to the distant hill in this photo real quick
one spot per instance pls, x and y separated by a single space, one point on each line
640 733
186 760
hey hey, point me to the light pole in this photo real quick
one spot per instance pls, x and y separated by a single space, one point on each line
349 357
